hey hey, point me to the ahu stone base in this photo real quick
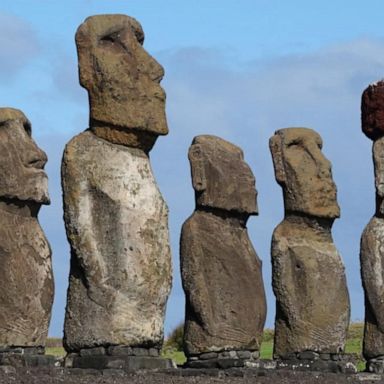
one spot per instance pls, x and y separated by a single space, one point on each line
224 360
118 357
27 357
321 362
375 365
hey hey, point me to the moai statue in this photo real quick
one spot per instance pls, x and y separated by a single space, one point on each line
116 219
372 240
26 271
312 301
221 273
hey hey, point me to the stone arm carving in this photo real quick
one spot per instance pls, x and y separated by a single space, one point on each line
283 280
77 195
191 264
371 259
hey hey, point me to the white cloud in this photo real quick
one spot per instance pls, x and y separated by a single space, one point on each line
19 44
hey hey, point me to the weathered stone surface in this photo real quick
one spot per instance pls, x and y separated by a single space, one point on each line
221 178
317 366
308 355
92 351
208 355
19 360
375 365
312 301
126 363
372 267
26 281
115 216
304 173
221 273
244 354
116 221
154 352
372 110
122 80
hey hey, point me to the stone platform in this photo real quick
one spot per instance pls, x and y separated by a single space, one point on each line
224 360
118 357
27 357
320 362
375 365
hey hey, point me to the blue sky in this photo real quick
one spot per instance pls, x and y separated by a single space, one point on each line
237 69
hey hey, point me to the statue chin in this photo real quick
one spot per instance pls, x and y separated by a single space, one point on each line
42 198
41 195
37 190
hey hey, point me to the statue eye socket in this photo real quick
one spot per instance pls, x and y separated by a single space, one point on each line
294 143
28 129
112 37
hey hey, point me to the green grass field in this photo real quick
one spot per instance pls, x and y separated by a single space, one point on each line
354 345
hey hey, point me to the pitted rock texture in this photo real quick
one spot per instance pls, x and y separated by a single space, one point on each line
372 110
304 173
179 376
26 279
308 277
122 79
117 225
221 273
225 360
371 257
115 216
372 264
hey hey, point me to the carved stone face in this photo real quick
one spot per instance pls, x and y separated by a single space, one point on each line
221 177
304 173
22 162
122 79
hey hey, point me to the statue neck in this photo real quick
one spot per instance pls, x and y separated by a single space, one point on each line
19 208
319 224
379 206
129 137
231 217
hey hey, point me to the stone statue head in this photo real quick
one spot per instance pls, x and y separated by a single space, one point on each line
22 162
220 176
372 110
122 79
304 173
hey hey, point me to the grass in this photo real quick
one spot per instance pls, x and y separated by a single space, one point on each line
177 356
353 346
55 351
266 350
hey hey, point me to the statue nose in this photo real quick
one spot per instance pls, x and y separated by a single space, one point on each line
150 66
155 70
325 167
323 164
36 158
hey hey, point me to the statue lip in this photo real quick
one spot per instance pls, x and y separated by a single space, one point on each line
160 94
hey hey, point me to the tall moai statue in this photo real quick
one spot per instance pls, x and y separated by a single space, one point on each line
372 240
312 301
221 273
26 278
116 219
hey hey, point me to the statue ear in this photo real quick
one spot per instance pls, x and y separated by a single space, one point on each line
378 160
195 157
275 145
83 42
